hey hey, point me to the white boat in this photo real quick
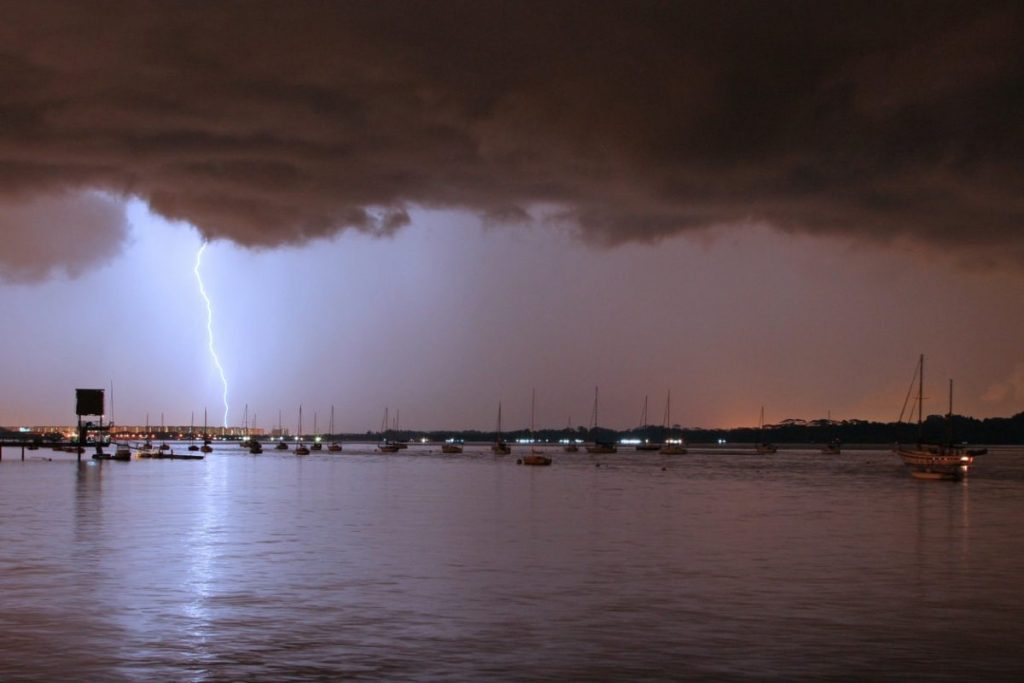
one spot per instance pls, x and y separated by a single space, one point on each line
946 460
500 447
763 447
599 447
671 446
334 446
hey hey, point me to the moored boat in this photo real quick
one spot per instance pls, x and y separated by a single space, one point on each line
936 461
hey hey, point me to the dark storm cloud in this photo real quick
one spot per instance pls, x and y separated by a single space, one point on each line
59 234
279 122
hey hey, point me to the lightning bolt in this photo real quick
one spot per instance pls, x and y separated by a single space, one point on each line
209 329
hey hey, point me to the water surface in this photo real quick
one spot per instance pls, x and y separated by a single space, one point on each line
419 566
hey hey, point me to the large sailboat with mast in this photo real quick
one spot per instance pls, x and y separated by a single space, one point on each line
944 460
282 445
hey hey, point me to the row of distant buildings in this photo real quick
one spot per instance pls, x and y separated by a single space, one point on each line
174 432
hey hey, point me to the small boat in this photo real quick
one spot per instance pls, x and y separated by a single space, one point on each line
301 449
500 447
763 447
671 446
451 446
570 447
935 461
833 447
599 447
317 445
334 446
535 457
148 452
255 447
206 447
388 447
646 444
281 445
121 452
192 433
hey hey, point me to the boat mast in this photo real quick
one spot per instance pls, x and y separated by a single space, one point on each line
594 420
643 416
949 416
920 398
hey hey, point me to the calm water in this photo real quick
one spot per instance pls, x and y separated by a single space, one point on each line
418 566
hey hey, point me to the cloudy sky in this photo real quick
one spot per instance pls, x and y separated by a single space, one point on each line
436 206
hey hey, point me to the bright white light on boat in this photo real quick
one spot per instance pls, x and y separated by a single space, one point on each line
630 442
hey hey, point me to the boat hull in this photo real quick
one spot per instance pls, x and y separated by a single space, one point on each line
936 462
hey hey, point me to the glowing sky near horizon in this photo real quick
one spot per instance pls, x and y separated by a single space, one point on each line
447 318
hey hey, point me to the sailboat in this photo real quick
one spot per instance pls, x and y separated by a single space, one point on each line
334 446
535 457
500 447
301 448
834 446
207 448
192 433
386 445
245 443
569 445
317 444
599 446
763 447
646 445
282 445
935 461
671 446
451 447
163 433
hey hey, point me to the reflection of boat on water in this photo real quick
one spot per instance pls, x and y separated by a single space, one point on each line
945 460
500 447
763 447
599 447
